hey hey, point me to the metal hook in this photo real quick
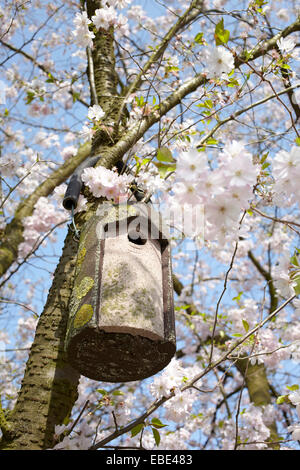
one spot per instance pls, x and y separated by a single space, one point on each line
73 227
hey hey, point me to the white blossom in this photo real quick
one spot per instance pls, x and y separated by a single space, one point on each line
286 45
95 112
219 62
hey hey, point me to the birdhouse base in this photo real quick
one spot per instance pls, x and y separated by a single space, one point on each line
118 357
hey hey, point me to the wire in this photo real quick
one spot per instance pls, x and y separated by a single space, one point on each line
73 227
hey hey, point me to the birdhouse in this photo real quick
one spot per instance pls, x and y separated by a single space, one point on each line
121 325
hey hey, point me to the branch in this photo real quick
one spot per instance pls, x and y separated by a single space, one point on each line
13 233
155 405
270 44
275 219
40 66
190 14
232 117
268 278
137 131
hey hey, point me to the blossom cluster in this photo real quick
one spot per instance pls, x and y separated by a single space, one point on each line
104 18
82 34
44 217
253 430
286 173
223 191
268 349
107 183
171 378
294 398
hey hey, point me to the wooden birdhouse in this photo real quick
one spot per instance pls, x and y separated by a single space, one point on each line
121 326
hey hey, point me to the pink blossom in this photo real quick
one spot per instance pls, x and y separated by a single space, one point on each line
286 166
44 217
286 45
179 407
69 152
221 211
295 430
119 3
106 183
191 164
105 17
82 35
170 378
185 192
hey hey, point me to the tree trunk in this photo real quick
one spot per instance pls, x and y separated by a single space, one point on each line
49 386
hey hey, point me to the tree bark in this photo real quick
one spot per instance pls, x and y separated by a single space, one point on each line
49 386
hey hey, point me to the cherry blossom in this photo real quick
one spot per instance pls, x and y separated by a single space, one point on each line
106 183
82 35
104 17
286 45
96 112
219 62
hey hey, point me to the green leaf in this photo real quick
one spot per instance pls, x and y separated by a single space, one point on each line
30 97
117 392
163 170
297 287
294 260
199 38
156 436
233 82
282 399
207 104
221 35
137 429
51 79
102 391
211 141
182 307
238 297
297 140
75 96
164 155
264 157
246 325
293 387
140 101
248 55
157 423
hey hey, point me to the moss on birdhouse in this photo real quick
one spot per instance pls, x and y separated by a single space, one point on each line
84 287
83 315
80 258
